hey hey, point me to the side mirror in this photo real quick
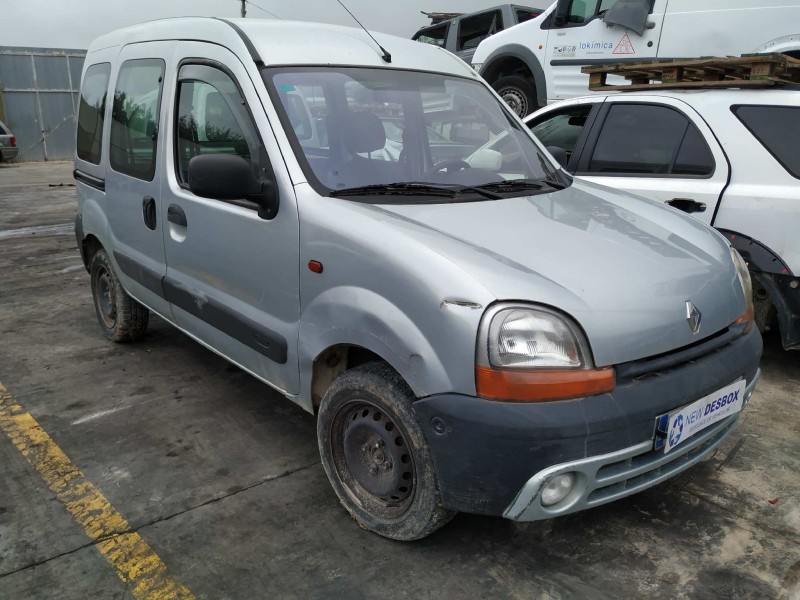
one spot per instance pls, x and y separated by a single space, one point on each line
561 13
230 177
559 154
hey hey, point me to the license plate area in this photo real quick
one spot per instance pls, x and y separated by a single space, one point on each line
674 428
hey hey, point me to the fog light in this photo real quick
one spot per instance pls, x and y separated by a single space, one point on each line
557 489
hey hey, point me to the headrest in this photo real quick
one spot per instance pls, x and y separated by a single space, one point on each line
362 132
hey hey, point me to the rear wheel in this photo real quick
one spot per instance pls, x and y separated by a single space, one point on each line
375 454
518 92
121 317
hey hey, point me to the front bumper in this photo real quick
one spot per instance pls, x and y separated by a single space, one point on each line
609 477
8 153
485 452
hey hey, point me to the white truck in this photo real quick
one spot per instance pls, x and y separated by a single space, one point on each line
540 61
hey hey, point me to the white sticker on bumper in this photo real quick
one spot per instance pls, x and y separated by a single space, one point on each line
685 422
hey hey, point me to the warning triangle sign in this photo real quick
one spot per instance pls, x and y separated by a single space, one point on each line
625 46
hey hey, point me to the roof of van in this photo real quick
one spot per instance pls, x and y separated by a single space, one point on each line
292 43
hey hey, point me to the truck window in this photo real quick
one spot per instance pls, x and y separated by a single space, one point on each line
212 118
92 112
526 14
583 11
473 30
643 139
433 35
778 129
134 117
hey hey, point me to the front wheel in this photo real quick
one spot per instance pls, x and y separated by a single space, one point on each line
375 454
518 92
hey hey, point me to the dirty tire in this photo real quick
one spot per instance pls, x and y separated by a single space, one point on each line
518 92
121 318
375 454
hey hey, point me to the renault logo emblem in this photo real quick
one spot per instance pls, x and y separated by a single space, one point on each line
693 316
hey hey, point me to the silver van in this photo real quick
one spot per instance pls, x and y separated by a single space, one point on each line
475 330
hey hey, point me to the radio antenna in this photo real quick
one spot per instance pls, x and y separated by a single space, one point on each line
386 56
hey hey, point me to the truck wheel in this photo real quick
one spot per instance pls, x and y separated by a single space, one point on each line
518 92
121 317
376 456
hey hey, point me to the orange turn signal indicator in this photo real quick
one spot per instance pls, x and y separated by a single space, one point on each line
516 385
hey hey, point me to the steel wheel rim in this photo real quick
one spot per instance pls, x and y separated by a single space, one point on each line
373 460
515 99
104 297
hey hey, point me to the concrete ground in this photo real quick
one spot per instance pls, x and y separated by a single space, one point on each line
221 476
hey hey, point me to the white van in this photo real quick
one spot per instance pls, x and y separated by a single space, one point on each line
540 61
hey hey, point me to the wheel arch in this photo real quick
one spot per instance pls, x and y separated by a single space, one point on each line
515 59
366 327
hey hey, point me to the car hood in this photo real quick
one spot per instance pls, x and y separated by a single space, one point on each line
623 267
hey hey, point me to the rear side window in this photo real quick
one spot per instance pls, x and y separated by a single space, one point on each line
435 36
642 139
778 130
473 30
92 112
3 130
134 118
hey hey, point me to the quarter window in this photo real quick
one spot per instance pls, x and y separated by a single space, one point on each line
639 139
212 118
134 118
92 112
563 129
778 129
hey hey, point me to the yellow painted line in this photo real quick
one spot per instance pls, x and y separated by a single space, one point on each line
133 559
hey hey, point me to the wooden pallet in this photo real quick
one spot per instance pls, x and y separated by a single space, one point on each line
749 70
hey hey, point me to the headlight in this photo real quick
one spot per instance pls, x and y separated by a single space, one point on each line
521 337
747 289
528 354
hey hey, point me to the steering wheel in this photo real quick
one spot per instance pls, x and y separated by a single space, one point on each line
449 166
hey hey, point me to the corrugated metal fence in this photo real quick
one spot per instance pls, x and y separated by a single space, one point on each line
39 94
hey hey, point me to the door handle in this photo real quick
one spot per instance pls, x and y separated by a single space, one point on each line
149 212
687 205
176 216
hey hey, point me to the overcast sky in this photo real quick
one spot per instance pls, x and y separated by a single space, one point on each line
75 23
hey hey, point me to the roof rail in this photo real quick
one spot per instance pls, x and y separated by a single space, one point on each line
748 70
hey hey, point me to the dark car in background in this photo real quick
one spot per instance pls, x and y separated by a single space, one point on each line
461 34
8 144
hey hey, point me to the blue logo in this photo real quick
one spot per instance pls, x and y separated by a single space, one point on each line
676 431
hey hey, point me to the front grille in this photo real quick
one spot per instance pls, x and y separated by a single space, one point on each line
675 358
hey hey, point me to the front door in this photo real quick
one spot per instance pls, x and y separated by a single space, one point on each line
658 148
136 149
585 39
232 277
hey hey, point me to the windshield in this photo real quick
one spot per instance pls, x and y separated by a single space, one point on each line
356 127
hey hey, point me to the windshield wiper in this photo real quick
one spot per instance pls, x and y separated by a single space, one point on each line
519 185
413 189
